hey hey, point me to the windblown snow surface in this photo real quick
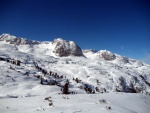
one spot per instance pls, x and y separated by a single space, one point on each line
99 82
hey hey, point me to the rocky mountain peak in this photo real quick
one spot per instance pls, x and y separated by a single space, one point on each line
66 48
106 55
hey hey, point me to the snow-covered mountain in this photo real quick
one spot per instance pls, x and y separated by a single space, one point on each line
33 68
16 41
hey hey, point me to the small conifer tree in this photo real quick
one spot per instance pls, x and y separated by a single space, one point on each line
66 88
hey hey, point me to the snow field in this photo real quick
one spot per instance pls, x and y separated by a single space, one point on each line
103 72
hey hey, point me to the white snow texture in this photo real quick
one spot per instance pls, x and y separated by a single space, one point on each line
33 76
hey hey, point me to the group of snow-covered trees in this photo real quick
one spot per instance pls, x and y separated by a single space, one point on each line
16 62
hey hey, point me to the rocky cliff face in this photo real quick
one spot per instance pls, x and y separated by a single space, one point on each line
66 48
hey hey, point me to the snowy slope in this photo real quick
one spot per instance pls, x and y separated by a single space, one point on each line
90 72
81 103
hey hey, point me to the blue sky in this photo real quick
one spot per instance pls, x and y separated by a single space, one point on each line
120 26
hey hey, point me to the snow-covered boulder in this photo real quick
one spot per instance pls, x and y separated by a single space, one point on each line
66 48
106 55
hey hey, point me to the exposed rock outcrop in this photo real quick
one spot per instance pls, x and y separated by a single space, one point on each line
16 41
66 48
106 55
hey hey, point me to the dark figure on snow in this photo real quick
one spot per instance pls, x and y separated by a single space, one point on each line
18 62
50 73
66 89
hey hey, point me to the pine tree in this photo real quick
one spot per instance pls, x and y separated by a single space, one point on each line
77 80
41 81
66 88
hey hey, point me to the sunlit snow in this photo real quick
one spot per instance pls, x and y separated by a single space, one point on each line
99 82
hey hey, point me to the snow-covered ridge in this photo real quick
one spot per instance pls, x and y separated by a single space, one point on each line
89 50
16 41
59 46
